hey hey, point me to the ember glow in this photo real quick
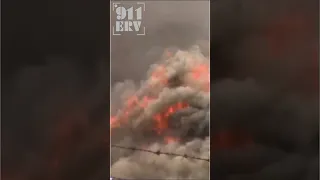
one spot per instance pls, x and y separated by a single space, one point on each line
169 139
202 72
160 74
228 139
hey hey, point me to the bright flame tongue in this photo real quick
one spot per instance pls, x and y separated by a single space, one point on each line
131 103
162 118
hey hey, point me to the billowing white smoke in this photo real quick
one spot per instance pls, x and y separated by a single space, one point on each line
181 79
150 166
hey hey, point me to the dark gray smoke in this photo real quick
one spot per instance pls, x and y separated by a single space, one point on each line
284 129
54 111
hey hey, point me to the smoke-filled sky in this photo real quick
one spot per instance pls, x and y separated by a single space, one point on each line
168 24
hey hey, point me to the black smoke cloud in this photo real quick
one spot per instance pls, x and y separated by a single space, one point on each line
52 123
284 129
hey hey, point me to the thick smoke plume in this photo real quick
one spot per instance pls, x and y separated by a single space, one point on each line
170 107
173 101
264 92
150 166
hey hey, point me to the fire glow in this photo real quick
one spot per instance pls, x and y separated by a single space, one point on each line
199 73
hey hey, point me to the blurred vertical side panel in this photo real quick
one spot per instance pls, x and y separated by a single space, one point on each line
265 89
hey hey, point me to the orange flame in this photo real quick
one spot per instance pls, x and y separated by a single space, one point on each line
162 118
